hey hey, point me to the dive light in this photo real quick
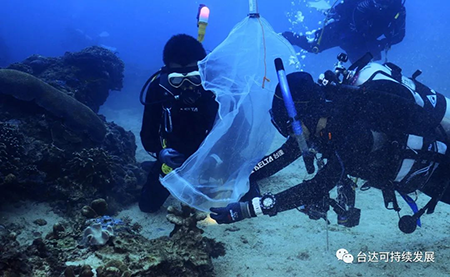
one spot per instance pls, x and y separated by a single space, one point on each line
203 16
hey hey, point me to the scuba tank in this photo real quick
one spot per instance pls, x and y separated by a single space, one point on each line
364 71
423 96
358 77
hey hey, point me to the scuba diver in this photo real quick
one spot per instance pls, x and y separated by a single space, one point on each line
357 26
178 115
368 122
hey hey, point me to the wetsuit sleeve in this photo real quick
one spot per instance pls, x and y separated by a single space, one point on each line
310 191
151 121
351 150
277 160
397 29
343 10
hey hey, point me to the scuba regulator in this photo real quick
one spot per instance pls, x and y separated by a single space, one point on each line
342 76
297 129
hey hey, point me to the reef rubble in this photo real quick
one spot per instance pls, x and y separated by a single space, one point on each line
56 149
64 251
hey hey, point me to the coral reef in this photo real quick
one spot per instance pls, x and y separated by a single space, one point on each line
87 75
113 268
98 207
76 116
52 147
185 220
185 253
36 166
55 148
107 222
11 153
96 235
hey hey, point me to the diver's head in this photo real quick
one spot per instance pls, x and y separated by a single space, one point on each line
183 51
309 100
180 75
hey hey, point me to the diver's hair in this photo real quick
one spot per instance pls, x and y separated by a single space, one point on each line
183 49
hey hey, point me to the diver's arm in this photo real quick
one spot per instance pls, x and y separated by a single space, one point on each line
151 121
276 161
397 31
310 191
361 19
306 193
357 142
343 9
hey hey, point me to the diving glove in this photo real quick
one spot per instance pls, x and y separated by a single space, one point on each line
171 157
233 212
240 210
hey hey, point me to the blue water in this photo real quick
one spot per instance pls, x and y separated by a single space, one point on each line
138 30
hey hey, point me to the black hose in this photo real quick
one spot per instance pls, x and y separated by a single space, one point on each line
141 96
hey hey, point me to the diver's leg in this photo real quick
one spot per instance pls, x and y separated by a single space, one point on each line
445 122
153 194
439 181
446 197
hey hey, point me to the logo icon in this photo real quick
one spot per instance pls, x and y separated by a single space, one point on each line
432 99
343 255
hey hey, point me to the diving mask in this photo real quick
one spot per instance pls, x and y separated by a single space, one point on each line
182 83
177 80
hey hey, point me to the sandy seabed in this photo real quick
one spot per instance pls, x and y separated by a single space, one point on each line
291 244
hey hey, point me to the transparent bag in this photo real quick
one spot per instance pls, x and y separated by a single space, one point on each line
241 73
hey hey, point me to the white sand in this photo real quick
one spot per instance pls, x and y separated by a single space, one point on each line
290 244
23 214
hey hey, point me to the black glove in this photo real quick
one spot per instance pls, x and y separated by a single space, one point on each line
232 212
171 157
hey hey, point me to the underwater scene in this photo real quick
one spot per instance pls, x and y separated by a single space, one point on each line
224 138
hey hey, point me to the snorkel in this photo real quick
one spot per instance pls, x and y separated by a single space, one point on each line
292 113
202 21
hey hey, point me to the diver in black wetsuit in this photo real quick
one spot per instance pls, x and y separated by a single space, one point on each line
178 115
358 26
379 126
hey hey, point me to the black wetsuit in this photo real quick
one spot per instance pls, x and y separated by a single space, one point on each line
359 27
366 136
190 126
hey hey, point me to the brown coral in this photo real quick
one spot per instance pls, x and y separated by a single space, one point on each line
26 87
186 219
